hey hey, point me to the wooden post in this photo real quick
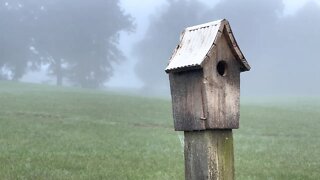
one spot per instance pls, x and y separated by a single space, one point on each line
209 155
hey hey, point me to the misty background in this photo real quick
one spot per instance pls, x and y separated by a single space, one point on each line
127 43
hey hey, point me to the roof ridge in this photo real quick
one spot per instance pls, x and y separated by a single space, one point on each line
204 25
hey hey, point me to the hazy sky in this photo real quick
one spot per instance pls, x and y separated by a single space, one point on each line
141 10
272 79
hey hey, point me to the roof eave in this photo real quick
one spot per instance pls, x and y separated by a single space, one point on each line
234 45
182 69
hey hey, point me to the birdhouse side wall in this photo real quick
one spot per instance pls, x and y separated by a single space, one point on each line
187 100
222 91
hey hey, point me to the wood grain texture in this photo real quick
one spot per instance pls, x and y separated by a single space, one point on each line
209 155
204 99
222 92
187 100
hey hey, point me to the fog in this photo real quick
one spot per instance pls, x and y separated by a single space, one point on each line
280 48
127 44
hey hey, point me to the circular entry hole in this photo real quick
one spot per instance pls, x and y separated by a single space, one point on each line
222 68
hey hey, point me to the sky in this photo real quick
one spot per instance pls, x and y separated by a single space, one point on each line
141 10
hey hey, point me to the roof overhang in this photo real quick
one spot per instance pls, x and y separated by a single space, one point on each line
196 43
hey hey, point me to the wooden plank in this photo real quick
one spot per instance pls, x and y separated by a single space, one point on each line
187 100
209 155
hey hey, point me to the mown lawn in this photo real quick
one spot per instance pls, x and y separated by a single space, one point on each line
67 133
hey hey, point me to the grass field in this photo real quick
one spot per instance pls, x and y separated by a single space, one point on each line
66 133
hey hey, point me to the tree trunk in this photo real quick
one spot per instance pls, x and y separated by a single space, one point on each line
59 80
59 73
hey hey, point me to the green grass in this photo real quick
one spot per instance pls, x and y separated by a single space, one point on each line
67 133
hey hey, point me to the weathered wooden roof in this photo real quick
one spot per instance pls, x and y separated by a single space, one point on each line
197 41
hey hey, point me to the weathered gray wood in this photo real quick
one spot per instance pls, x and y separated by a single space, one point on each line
204 99
222 92
204 74
187 100
209 155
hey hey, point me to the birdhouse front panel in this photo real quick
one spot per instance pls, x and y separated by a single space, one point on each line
222 84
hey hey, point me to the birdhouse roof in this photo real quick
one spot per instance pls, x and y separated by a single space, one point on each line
196 42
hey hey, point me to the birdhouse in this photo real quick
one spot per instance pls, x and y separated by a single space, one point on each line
204 73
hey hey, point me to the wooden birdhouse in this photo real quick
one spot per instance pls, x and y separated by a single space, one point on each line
204 73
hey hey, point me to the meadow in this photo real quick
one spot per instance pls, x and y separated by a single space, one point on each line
67 133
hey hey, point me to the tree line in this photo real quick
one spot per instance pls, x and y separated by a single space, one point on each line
76 39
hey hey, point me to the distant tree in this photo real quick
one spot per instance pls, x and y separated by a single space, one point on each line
15 39
80 38
154 50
